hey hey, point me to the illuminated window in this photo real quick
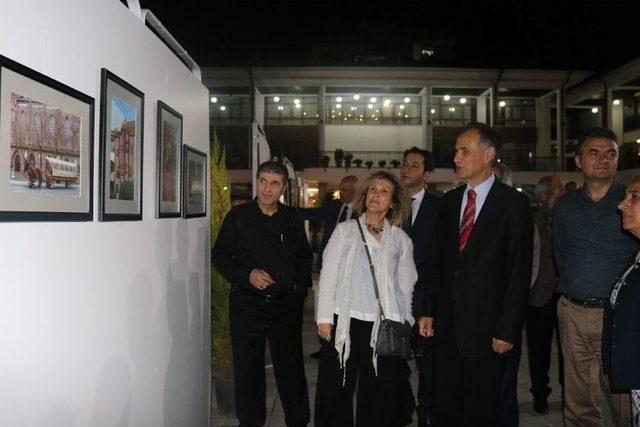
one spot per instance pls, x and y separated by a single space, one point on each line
230 110
373 109
296 110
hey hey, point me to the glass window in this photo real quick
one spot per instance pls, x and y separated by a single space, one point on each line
290 110
453 111
373 109
230 109
516 112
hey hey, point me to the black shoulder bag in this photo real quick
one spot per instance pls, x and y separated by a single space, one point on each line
394 338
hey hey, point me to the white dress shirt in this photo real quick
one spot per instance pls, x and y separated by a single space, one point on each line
415 204
482 191
349 207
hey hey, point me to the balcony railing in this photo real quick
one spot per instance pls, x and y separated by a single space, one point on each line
365 156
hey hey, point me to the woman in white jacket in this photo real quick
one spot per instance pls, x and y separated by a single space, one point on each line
348 315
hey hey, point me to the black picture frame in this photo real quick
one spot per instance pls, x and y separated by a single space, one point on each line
121 196
55 158
167 116
194 169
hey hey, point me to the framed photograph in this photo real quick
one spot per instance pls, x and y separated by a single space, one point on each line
121 125
46 144
195 182
169 162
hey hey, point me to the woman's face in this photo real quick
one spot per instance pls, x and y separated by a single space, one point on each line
379 196
630 208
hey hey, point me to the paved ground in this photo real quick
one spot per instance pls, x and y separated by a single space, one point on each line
528 418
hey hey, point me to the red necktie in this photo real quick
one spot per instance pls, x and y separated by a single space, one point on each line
343 214
466 225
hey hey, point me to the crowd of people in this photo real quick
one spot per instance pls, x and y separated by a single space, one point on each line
466 273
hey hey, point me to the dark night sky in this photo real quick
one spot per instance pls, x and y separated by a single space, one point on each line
596 35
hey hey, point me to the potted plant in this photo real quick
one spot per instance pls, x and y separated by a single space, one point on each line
395 163
357 162
347 160
382 163
368 164
325 163
221 357
338 156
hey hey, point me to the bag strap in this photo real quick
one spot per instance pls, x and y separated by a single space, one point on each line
373 272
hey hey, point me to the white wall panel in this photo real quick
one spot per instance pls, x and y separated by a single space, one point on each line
372 138
109 325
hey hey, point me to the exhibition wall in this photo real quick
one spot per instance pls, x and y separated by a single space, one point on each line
105 323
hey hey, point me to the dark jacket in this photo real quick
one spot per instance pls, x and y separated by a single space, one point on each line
621 336
421 233
542 290
278 244
481 293
328 215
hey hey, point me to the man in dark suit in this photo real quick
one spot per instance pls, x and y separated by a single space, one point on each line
333 212
416 169
478 284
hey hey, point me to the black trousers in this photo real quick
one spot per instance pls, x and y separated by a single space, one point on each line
466 388
423 350
509 389
253 321
540 324
376 394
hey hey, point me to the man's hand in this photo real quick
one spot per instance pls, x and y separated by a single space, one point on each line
260 279
500 346
425 326
324 331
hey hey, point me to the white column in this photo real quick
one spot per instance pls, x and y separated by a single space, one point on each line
427 126
258 107
322 113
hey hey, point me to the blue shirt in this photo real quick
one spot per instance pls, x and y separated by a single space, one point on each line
482 191
590 247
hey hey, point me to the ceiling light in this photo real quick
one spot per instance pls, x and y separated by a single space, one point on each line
373 99
446 97
338 106
370 106
407 100
402 106
280 107
339 99
406 116
433 111
594 110
304 113
298 105
615 101
276 99
463 100
296 101
356 96
638 141
222 108
376 118
215 99
353 108
377 111
452 109
387 102
501 104
333 117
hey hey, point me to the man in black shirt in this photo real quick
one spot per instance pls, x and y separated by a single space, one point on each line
263 251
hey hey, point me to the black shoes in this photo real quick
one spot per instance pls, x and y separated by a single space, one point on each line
540 405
